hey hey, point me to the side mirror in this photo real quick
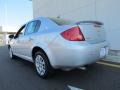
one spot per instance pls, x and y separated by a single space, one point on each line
11 36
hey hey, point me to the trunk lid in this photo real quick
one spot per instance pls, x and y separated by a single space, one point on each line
93 31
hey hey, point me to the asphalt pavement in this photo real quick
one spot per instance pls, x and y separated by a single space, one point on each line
19 74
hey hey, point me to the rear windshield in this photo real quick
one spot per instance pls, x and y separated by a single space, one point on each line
60 21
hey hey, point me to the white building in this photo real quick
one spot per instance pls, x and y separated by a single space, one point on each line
106 11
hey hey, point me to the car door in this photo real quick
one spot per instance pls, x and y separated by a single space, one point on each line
26 42
15 41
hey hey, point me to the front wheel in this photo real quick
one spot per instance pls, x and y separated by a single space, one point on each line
11 54
42 65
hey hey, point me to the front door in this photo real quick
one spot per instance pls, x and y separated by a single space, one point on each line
16 44
27 40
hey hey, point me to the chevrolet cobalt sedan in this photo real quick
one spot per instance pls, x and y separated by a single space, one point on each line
59 44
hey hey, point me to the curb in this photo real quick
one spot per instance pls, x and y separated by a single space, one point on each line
112 58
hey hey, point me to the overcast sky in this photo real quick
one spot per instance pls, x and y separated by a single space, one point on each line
15 12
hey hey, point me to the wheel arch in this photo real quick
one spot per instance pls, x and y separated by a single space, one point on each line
35 49
46 51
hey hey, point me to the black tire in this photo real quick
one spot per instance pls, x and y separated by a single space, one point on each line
45 66
90 65
12 56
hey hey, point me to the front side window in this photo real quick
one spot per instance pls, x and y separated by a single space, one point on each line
20 32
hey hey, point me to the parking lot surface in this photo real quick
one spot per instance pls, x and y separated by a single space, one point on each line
20 75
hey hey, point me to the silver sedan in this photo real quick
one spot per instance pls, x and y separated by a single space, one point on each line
59 44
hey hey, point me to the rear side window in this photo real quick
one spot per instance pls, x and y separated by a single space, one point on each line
37 25
32 27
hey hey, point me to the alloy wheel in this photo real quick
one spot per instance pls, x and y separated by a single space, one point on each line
40 65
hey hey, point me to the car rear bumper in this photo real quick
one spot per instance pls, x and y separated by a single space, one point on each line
79 55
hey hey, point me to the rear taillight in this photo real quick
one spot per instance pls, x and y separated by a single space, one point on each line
73 34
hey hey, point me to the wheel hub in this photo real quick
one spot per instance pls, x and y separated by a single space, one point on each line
40 65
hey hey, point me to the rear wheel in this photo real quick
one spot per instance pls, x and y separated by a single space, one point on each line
42 65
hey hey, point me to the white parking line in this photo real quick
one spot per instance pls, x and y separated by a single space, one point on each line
108 64
74 88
